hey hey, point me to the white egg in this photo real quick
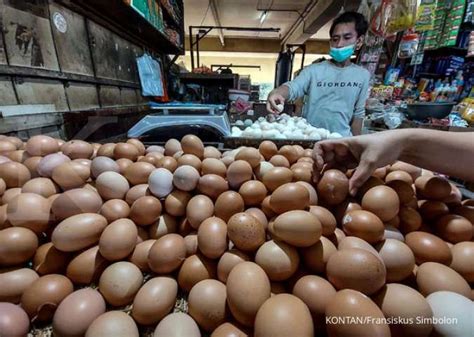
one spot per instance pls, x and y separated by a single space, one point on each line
248 122
335 135
160 182
315 136
239 123
261 119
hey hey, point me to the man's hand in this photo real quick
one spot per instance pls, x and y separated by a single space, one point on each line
365 153
274 99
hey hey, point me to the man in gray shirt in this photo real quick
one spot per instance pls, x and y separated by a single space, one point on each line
336 89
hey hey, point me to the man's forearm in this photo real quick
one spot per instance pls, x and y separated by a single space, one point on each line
356 126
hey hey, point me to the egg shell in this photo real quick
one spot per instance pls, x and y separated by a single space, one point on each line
259 215
114 209
432 187
36 218
172 146
167 254
76 201
298 228
42 186
245 231
106 150
15 282
364 225
41 145
14 174
392 232
212 152
349 242
136 192
399 175
446 304
17 245
253 192
177 325
69 175
185 178
302 174
49 260
250 155
138 172
316 256
19 156
289 197
316 292
212 237
228 261
112 185
112 324
207 304
398 301
166 224
212 185
326 218
356 269
166 162
190 160
145 210
262 169
77 311
228 204
42 297
333 187
86 267
78 232
277 176
463 254
213 166
123 163
279 160
139 257
454 228
194 269
352 304
381 201
155 299
278 259
268 149
118 240
339 211
199 208
428 248
191 242
125 150
248 287
176 202
120 282
14 320
191 144
229 330
432 277
140 147
239 172
398 259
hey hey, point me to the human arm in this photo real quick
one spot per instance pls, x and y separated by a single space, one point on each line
448 153
359 109
356 126
277 96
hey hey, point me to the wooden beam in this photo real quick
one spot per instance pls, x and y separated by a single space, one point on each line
256 45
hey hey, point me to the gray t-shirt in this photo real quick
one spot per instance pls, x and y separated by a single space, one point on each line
335 95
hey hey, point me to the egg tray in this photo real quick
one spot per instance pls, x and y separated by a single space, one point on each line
235 142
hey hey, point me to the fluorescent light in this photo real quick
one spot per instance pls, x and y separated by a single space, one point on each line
263 17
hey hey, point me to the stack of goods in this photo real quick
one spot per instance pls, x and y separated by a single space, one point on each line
452 24
183 240
432 36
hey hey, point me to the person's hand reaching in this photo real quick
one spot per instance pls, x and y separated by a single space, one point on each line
365 153
275 102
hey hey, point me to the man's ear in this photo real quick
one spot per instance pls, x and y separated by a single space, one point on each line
360 42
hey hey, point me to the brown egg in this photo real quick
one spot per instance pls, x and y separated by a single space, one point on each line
228 261
139 257
155 299
123 163
356 269
9 195
49 260
42 297
185 178
398 259
316 256
268 149
32 165
199 208
399 302
276 177
192 145
262 169
17 245
19 156
278 259
380 173
112 185
239 172
253 192
279 160
191 242
466 212
17 142
350 242
399 175
463 253
364 225
41 186
248 287
302 174
409 220
207 304
176 202
289 197
138 173
106 150
468 202
138 144
195 269
78 232
76 201
190 160
250 155
48 163
313 197
37 216
213 166
118 240
381 201
370 183
168 163
125 150
3 186
136 192
71 175
177 325
212 237
120 282
259 215
211 152
326 218
432 187
41 145
245 231
145 210
289 153
167 254
428 248
15 282
339 211
228 204
454 228
166 224
75 149
229 330
432 210
111 324
172 146
298 228
316 292
14 174
86 267
212 185
115 209
77 311
432 277
14 321
7 147
333 187
404 191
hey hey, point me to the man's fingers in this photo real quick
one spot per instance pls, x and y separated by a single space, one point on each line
360 176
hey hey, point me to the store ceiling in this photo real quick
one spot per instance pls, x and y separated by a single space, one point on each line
248 13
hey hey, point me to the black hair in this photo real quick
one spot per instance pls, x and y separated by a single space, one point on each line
361 24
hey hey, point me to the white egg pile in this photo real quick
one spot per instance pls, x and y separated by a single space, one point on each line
285 127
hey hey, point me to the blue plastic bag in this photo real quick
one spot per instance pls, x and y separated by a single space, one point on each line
150 76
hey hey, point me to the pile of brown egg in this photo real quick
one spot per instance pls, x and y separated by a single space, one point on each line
184 240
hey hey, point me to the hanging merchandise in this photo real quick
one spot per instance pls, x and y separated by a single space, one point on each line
150 76
408 45
426 15
469 16
433 35
364 9
454 19
393 16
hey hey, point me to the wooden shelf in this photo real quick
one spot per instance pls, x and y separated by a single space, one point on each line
167 15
